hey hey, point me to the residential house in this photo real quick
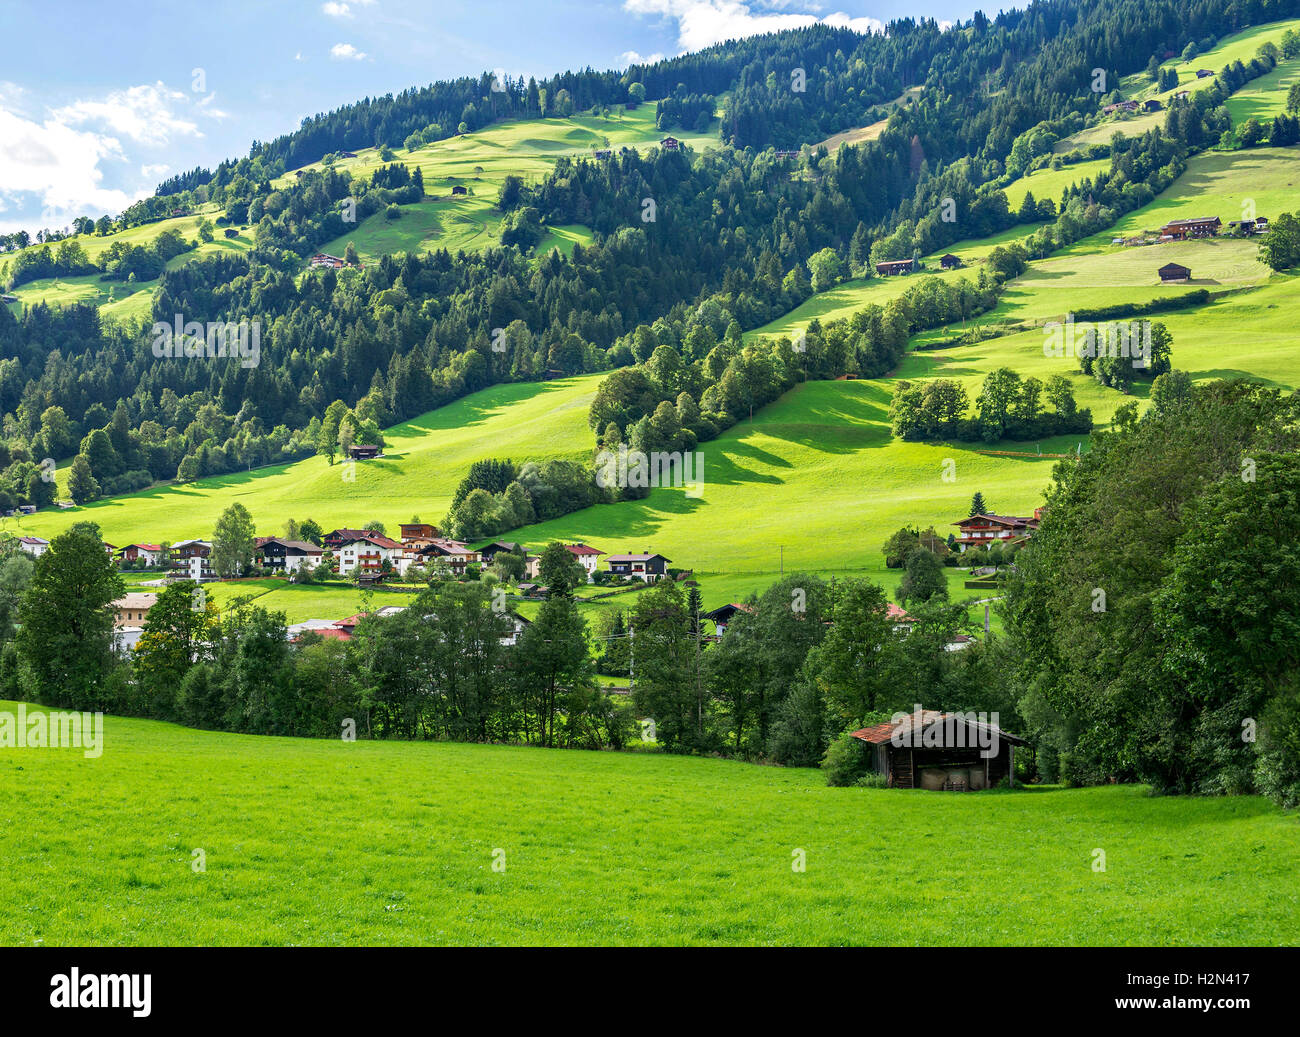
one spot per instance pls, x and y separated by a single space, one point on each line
192 558
984 530
949 261
1203 73
1197 227
34 546
647 567
940 751
586 556
1174 272
289 555
722 616
604 153
366 554
1249 227
517 625
452 553
417 531
670 144
152 554
1151 105
133 608
326 260
335 538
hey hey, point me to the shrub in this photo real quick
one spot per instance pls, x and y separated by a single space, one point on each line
872 780
845 761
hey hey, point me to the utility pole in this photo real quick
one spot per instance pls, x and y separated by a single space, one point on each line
631 661
782 547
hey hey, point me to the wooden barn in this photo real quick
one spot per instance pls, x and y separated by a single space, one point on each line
950 752
1174 272
365 451
460 189
896 267
949 261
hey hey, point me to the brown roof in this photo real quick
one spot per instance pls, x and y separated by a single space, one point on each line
879 734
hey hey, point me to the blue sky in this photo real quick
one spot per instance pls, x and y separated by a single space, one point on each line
99 101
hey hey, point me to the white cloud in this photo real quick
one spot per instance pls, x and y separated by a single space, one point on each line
702 23
346 52
336 10
299 57
631 57
143 113
153 171
59 167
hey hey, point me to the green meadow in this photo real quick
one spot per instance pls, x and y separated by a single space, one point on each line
327 842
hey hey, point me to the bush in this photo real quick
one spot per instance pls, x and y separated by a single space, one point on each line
872 780
845 762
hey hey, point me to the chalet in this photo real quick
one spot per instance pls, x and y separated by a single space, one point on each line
326 260
231 232
347 154
366 554
531 590
1249 227
983 530
517 626
1197 227
927 749
460 189
33 546
670 144
787 154
365 451
335 538
8 298
190 559
604 153
647 567
131 609
1174 272
452 553
722 616
110 549
586 557
896 266
900 617
1203 73
1182 94
289 555
949 261
1151 105
326 628
417 531
151 553
1122 106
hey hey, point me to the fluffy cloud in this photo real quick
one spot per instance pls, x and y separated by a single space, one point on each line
702 23
631 57
341 9
145 114
346 52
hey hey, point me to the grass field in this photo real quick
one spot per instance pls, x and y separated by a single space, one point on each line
316 842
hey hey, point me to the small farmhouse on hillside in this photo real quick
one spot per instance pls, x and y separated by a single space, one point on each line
950 752
1174 272
983 530
34 546
288 555
460 189
896 267
585 556
365 451
724 614
1197 227
949 261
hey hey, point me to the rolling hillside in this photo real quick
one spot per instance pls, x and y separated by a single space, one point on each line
310 842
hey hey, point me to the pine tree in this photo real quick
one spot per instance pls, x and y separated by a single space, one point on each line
977 505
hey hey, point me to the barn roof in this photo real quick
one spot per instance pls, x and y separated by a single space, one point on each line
880 734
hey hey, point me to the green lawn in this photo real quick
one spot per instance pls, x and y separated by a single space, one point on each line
1050 183
325 842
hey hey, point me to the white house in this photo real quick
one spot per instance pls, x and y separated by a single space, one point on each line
33 546
586 556
368 552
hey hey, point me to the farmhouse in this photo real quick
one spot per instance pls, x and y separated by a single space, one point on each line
460 189
365 451
367 553
8 298
949 261
895 267
787 154
1197 227
724 614
952 752
1203 73
289 555
1249 227
586 557
336 538
452 553
347 154
231 232
982 530
34 546
1151 105
326 260
604 153
1173 272
647 567
190 559
151 553
670 144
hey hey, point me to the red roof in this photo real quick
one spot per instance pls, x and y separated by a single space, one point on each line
582 549
899 614
879 734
